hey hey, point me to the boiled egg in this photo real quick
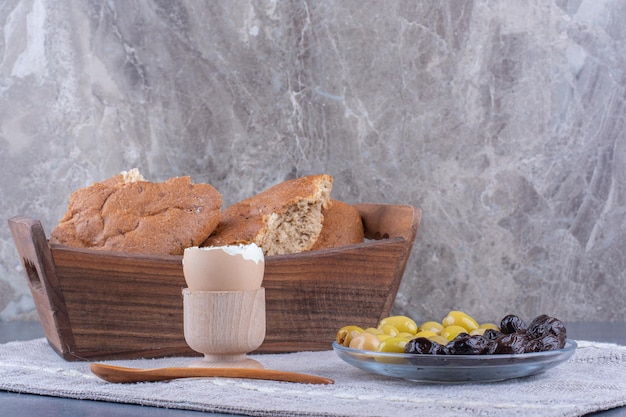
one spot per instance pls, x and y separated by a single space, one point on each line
224 268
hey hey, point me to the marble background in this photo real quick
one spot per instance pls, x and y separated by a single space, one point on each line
503 121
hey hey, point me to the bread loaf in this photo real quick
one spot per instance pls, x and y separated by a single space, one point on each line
342 226
129 214
286 218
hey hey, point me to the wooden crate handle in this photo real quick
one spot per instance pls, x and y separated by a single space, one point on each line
36 257
388 221
392 221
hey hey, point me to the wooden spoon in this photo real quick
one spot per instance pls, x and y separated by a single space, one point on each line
122 374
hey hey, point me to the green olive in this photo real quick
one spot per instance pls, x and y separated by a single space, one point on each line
346 334
432 326
365 341
392 345
458 318
439 339
383 336
389 329
374 330
426 333
402 323
450 332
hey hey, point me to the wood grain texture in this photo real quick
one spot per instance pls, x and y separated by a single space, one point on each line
105 305
120 374
224 325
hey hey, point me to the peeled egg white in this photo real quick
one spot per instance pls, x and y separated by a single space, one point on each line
224 268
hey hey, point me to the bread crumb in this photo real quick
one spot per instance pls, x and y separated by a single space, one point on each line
132 176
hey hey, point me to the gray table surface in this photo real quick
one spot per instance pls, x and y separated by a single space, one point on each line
22 405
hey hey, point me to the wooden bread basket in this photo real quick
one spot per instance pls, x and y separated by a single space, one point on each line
96 305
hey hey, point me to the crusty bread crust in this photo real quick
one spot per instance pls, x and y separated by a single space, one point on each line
286 218
342 226
140 216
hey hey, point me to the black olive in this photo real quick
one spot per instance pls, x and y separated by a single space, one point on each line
492 334
422 345
544 324
533 345
511 343
472 345
538 327
550 342
512 324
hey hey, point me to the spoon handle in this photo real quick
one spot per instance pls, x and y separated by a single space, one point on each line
120 374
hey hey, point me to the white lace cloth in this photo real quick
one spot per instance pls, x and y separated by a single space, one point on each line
593 379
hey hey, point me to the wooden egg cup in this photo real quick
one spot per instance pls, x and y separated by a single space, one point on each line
224 326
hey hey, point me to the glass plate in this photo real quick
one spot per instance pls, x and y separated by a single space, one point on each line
455 368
